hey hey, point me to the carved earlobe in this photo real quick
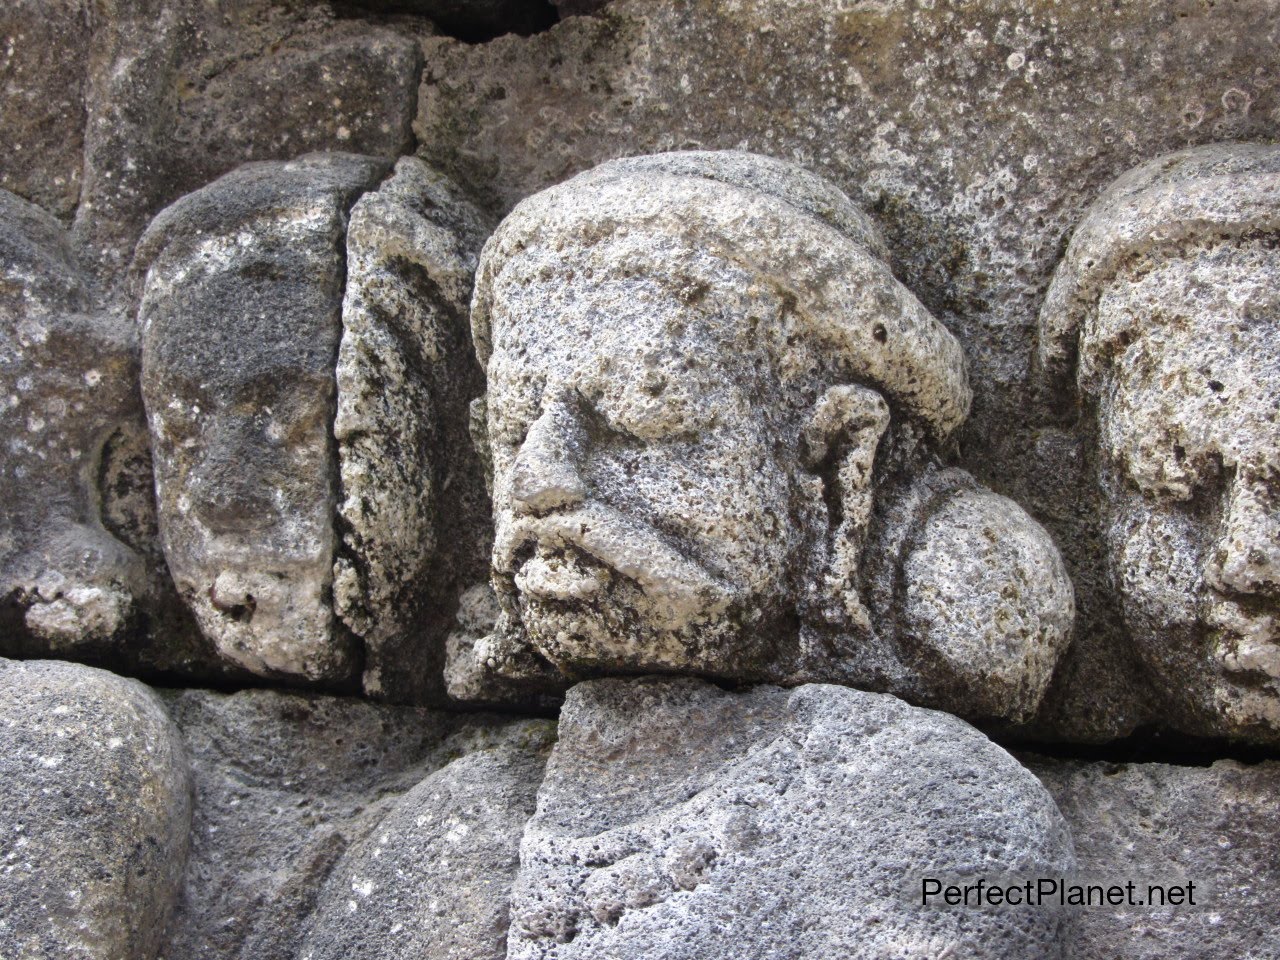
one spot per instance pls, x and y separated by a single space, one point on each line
839 443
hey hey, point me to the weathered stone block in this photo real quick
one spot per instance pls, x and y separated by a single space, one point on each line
95 808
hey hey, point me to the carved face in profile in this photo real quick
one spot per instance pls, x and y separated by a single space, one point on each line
648 510
1191 429
689 359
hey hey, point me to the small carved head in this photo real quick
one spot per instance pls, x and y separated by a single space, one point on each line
240 319
1170 294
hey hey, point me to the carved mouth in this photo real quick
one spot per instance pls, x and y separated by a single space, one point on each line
677 589
561 576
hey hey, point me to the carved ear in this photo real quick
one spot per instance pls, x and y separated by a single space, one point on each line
839 443
845 426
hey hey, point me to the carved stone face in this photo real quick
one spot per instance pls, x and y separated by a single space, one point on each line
691 362
241 317
239 412
1190 422
648 510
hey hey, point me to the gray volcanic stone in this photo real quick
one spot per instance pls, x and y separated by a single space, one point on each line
1150 823
179 93
433 878
298 796
988 606
976 134
95 808
68 385
240 319
410 480
43 48
705 391
1168 293
678 820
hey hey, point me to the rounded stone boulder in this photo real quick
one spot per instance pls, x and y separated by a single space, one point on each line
95 809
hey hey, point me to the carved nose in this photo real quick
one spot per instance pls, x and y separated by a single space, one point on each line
545 476
230 497
1247 557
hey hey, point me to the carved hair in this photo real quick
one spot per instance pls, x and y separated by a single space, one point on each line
1217 192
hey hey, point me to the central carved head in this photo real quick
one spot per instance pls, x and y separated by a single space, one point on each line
692 359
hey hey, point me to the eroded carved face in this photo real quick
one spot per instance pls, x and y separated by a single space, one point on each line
239 388
647 506
1190 420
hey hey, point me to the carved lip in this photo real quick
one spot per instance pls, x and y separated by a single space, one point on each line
679 590
560 577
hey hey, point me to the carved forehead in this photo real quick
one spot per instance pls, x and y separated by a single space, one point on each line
242 279
258 320
1197 355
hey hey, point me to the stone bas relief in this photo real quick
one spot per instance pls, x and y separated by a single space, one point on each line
1168 296
67 376
240 319
790 821
298 373
714 419
727 430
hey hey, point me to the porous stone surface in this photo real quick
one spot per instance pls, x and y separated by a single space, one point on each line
240 318
68 385
1168 295
82 574
975 134
680 820
179 93
1153 823
987 603
43 47
691 362
95 807
409 478
434 877
313 815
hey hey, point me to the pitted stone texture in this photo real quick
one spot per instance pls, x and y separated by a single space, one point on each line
410 480
678 820
1152 823
43 47
976 134
291 789
68 384
434 877
988 605
179 93
82 575
1171 286
95 809
692 363
240 320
